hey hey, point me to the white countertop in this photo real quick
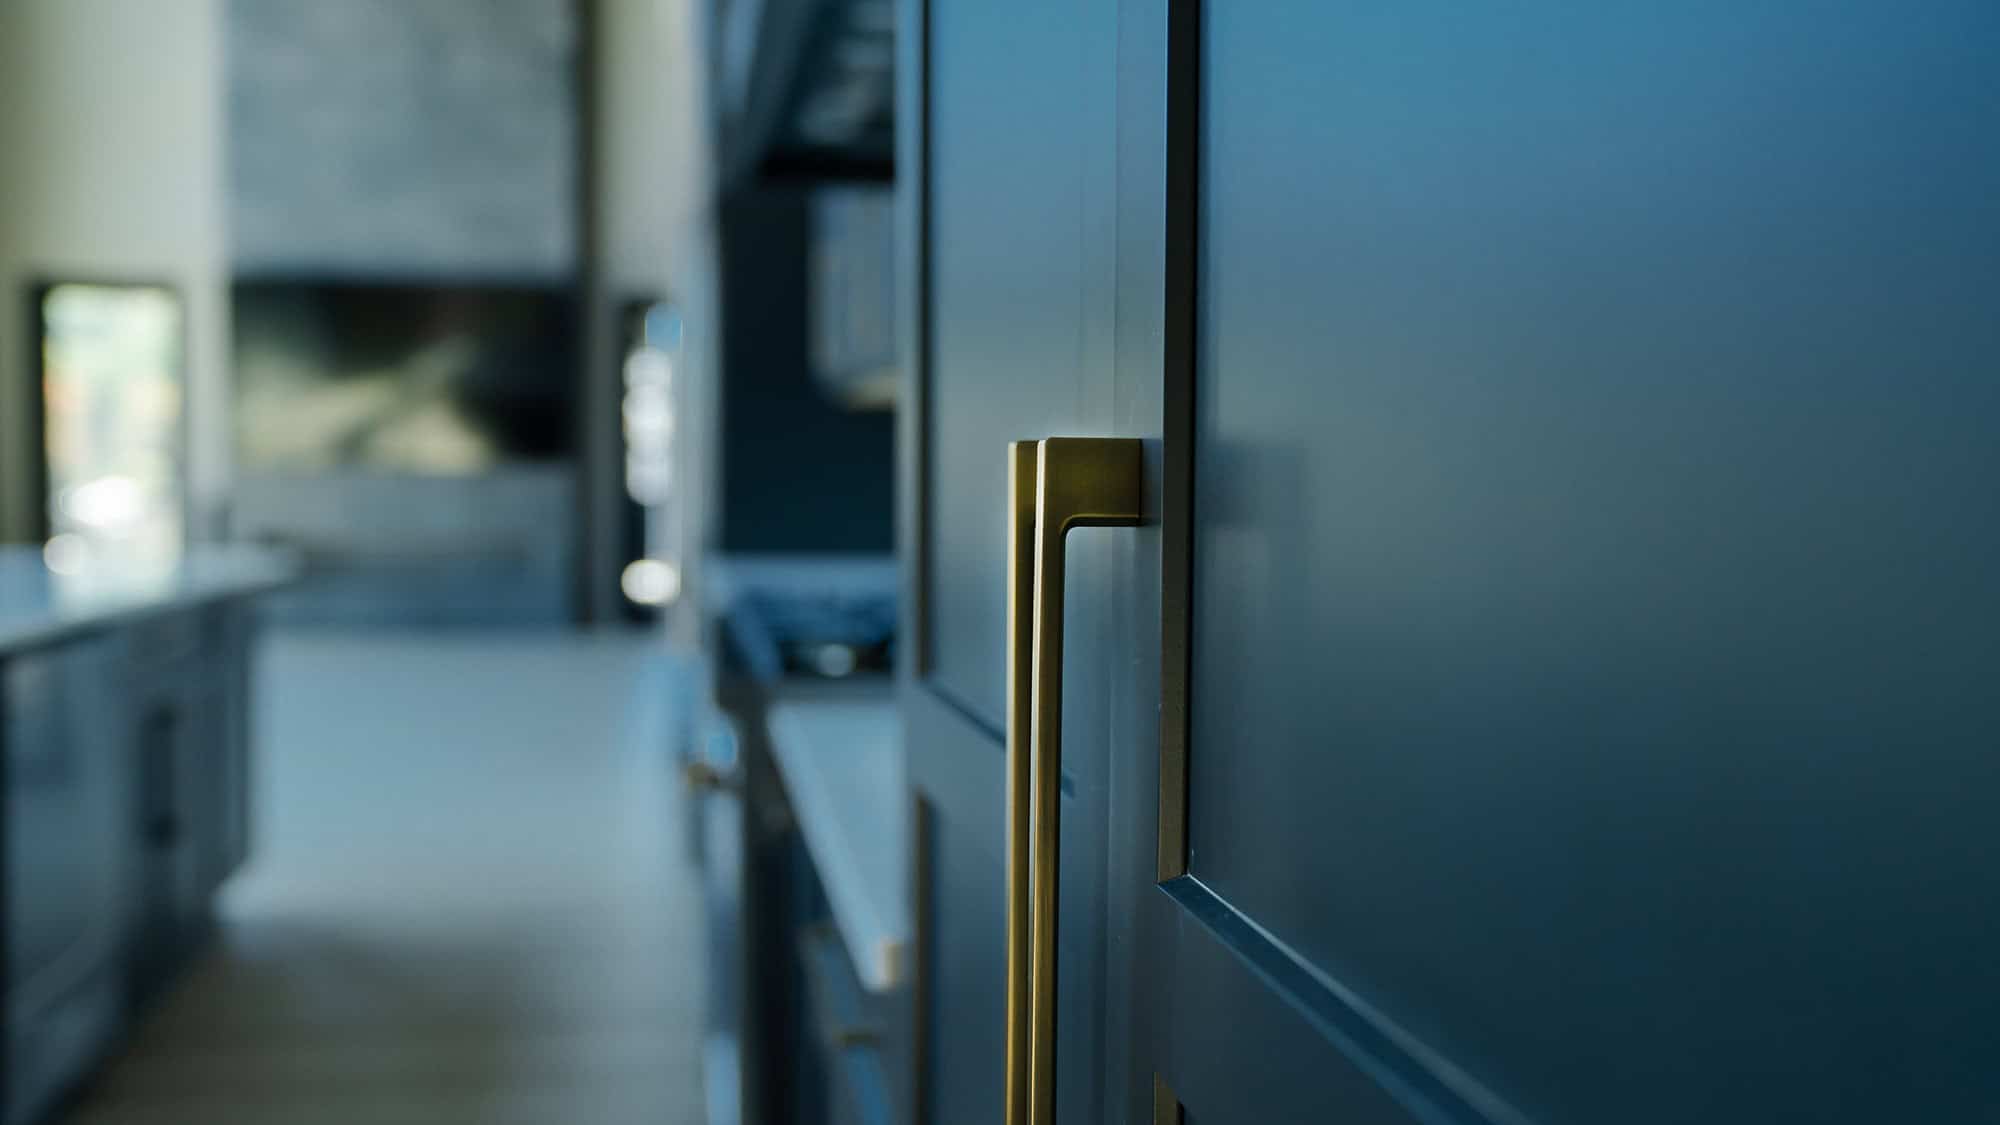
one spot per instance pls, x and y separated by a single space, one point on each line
842 762
39 606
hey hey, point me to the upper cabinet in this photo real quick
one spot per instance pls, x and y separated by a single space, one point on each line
804 89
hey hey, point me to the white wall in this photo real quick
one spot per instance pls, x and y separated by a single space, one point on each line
651 174
111 167
653 235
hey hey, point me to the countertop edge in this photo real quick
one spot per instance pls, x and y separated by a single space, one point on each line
40 631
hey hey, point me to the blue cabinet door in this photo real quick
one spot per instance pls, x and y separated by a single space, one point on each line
1565 661
66 736
1007 220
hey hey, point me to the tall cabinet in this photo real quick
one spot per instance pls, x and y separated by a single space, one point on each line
1526 653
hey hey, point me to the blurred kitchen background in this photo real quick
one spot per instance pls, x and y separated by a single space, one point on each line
427 428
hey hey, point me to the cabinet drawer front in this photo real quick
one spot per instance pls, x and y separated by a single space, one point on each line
848 1027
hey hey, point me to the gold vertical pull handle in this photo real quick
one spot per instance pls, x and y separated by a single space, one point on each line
1021 456
1075 482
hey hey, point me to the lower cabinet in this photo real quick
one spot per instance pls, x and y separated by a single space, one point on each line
126 806
818 1047
819 1041
181 673
711 769
846 1030
66 865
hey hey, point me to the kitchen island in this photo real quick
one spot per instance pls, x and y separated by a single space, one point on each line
124 721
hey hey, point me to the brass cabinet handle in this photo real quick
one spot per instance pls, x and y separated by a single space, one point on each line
1074 482
700 777
1020 670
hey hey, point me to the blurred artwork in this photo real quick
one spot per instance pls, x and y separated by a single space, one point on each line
113 392
397 378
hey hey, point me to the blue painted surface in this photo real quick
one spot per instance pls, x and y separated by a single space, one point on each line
1596 556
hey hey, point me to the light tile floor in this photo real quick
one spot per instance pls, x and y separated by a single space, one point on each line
468 902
